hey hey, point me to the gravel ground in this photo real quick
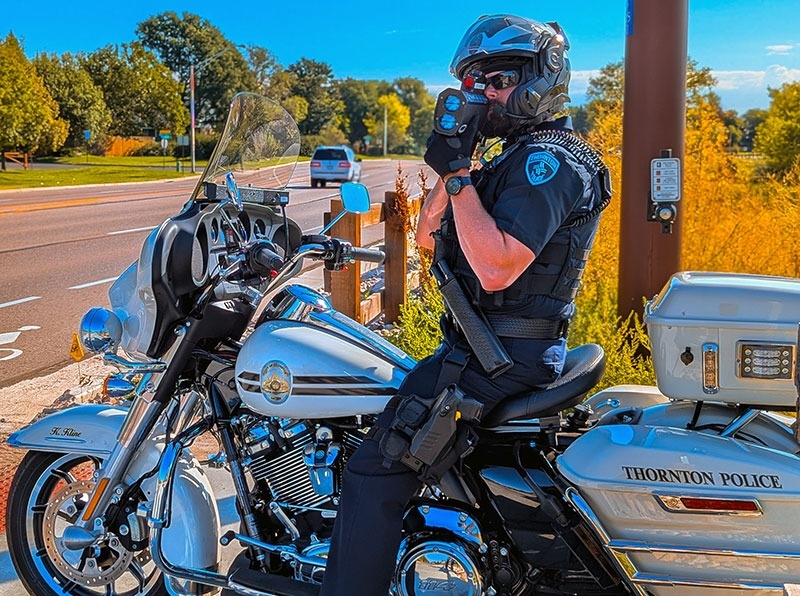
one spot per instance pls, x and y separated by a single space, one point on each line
26 401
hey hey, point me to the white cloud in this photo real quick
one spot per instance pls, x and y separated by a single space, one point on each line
783 49
777 75
579 81
729 80
774 76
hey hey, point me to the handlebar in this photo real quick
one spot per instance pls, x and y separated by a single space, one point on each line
369 255
263 260
260 259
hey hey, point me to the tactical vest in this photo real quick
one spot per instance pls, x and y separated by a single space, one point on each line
558 268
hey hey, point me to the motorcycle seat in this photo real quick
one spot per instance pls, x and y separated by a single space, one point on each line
583 368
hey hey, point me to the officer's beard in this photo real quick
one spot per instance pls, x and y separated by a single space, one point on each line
498 124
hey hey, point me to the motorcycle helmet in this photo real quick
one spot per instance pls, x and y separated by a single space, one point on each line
537 50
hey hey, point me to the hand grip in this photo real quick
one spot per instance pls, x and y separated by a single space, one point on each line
264 260
369 255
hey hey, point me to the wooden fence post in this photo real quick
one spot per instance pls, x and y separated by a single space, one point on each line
395 265
345 286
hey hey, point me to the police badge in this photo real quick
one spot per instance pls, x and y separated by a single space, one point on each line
541 167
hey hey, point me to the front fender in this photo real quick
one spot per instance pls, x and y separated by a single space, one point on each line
90 429
192 538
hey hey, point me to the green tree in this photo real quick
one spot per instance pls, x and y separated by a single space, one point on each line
79 100
28 113
360 100
751 120
420 103
396 117
580 119
221 70
278 86
139 91
778 136
314 82
264 65
606 91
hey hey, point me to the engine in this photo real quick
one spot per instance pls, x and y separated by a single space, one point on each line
296 468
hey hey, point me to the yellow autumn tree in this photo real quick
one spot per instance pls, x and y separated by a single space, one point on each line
395 116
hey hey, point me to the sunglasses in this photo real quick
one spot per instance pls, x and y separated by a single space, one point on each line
502 80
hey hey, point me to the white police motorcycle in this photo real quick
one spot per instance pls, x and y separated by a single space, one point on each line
685 489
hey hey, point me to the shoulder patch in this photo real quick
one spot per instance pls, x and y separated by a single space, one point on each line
541 167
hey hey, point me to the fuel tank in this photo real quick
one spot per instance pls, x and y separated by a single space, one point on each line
684 512
295 369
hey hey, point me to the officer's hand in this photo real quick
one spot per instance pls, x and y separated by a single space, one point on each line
450 154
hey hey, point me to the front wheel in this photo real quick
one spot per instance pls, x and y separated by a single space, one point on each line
48 494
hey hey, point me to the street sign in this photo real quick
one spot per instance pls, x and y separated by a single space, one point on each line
665 179
87 134
164 143
183 140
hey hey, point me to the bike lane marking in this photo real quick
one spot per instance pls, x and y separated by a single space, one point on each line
131 231
10 337
20 301
93 283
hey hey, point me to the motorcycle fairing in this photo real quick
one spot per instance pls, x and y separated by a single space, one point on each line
625 476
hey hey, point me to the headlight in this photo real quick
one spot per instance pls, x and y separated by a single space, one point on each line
101 331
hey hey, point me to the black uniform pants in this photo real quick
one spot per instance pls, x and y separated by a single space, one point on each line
368 526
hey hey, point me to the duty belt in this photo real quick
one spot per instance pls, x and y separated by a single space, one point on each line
522 327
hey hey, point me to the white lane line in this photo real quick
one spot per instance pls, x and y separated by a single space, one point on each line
131 230
93 283
20 301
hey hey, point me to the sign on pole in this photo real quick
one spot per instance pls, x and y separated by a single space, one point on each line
665 177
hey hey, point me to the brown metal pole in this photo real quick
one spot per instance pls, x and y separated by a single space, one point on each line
654 121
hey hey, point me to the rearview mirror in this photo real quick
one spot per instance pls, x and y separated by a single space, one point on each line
355 197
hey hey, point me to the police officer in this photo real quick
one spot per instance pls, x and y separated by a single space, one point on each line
516 233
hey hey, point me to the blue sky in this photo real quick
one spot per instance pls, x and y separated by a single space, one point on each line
748 44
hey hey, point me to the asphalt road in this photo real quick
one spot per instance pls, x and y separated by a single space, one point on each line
60 250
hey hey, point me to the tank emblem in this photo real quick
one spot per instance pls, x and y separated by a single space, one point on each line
276 382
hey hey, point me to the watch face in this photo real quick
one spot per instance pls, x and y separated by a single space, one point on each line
453 185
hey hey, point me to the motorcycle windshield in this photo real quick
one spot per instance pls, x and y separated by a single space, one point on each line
259 145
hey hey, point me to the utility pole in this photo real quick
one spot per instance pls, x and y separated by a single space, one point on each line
653 136
385 128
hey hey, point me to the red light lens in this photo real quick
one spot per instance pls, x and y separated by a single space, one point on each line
316 164
698 504
344 164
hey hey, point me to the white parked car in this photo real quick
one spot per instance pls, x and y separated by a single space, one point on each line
334 164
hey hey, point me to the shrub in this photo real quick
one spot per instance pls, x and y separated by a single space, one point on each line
150 150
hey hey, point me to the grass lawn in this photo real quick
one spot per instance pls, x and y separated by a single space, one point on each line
110 174
93 169
128 161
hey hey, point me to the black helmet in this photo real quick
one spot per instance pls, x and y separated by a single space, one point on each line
537 50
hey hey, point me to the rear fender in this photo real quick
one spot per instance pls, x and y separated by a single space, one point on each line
624 396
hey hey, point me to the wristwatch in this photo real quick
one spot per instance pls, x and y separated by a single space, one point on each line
454 184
